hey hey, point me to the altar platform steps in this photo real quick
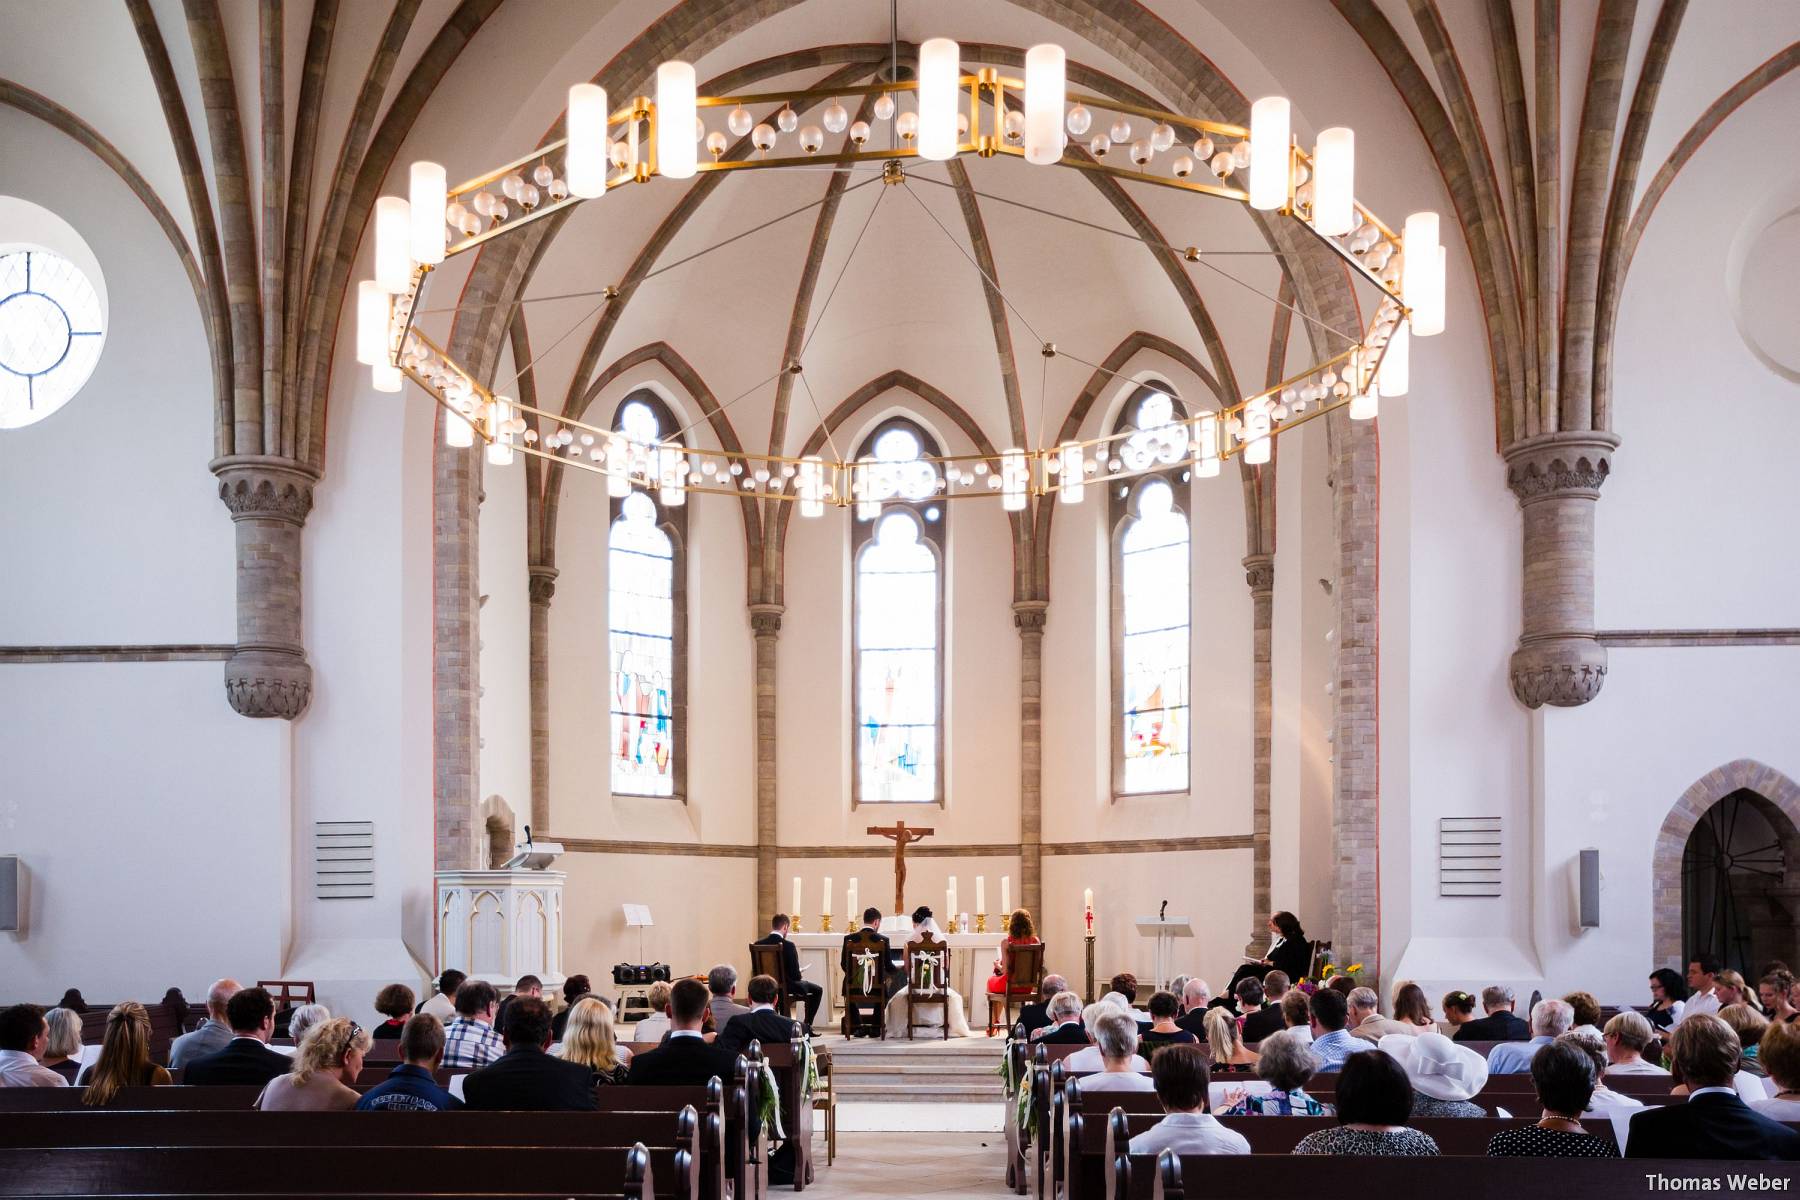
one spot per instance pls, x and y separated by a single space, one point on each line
960 1071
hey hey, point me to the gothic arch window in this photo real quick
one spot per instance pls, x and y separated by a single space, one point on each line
897 631
646 615
1151 605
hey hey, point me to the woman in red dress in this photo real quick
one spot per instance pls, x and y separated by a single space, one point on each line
1018 933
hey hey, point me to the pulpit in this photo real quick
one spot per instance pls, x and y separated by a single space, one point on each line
499 925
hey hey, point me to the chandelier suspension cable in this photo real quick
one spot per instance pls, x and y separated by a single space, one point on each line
825 307
1187 253
1004 298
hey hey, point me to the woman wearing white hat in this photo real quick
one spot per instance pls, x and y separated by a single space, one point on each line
1444 1075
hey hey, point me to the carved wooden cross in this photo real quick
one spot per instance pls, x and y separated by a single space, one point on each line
902 836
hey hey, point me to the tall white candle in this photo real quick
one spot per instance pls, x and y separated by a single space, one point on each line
1087 898
1006 894
950 908
796 895
981 894
850 903
825 900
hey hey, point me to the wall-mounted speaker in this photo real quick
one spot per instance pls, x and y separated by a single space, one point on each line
10 899
1590 889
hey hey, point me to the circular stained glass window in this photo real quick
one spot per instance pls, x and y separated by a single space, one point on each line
51 331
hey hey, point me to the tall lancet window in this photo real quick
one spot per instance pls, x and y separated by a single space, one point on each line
646 611
897 545
1151 584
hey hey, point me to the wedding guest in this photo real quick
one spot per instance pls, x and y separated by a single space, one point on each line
1499 1024
1703 986
1668 998
1713 1122
654 1027
1092 1058
214 1033
1374 1102
412 1086
1229 1054
1286 1065
1116 1037
1593 1045
470 1039
1065 1028
1019 932
525 1077
1780 1055
442 1003
1628 1035
1749 1025
124 1057
395 1002
1332 1044
62 1052
1731 989
304 1018
588 1039
574 988
1260 1017
1444 1075
1163 1030
1776 991
1182 1081
1550 1019
1297 1012
1584 1009
246 1059
1564 1080
325 1065
1035 1017
1459 1010
1196 999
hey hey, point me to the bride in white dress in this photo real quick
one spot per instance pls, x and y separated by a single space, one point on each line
930 1022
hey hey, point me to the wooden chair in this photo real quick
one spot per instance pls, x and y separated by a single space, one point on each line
1313 964
766 958
824 1099
1023 968
927 981
865 983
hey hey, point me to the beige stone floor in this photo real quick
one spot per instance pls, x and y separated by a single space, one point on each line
907 1166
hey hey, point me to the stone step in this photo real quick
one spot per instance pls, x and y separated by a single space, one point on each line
841 1068
920 1093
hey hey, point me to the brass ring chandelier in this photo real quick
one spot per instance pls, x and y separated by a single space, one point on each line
1035 119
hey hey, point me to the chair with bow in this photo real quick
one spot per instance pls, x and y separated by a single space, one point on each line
865 983
927 981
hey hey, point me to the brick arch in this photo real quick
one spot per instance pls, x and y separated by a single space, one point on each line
1671 840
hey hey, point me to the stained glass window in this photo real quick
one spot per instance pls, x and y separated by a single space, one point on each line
1152 573
643 624
51 331
898 618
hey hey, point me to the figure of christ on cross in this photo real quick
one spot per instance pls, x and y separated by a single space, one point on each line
902 837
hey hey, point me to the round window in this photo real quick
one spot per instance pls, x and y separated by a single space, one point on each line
51 331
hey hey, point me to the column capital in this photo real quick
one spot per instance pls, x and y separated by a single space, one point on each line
765 619
1259 572
542 582
1574 463
1564 672
256 486
268 682
1030 615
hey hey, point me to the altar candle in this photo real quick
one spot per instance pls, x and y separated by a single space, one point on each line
850 904
981 894
797 895
825 900
1006 894
1087 899
950 908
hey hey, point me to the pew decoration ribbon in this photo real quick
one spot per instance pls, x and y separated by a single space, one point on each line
930 972
865 967
1017 1094
768 1109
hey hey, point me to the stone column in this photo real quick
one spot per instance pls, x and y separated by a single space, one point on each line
1557 479
456 656
1355 931
765 627
543 586
267 675
1259 573
1029 616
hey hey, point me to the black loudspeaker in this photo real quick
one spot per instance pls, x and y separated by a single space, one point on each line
10 900
1590 889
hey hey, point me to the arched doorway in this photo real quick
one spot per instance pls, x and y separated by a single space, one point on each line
1726 876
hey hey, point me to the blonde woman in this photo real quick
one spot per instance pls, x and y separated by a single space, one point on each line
588 1039
62 1053
325 1066
1229 1054
124 1057
654 1027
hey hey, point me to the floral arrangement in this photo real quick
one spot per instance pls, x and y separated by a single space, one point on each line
1327 968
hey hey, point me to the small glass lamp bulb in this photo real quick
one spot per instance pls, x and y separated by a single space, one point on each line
837 118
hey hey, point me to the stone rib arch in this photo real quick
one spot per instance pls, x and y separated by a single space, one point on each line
1665 867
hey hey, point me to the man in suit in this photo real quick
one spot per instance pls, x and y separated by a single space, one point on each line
246 1059
1714 1123
1036 1015
526 1077
811 993
1196 998
685 1057
1500 1025
1065 1027
1263 1018
528 985
721 981
887 970
762 1022
214 1033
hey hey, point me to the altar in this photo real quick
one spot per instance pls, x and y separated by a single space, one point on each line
972 958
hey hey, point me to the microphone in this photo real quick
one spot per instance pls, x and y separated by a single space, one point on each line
1163 911
528 835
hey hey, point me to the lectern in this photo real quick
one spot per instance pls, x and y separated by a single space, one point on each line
1165 930
499 925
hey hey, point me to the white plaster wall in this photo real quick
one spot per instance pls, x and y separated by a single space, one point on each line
696 926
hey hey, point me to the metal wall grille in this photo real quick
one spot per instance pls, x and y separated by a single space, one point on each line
344 860
1468 856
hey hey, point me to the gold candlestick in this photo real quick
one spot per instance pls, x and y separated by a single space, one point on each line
825 923
953 928
980 922
799 925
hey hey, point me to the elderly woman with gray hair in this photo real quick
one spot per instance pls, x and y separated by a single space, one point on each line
1286 1064
1116 1037
306 1017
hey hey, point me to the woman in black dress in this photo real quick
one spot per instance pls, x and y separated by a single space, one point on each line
1564 1079
1289 953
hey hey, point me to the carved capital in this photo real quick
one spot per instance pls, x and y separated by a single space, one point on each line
255 487
1565 672
1573 464
1030 615
542 583
1259 572
268 683
765 619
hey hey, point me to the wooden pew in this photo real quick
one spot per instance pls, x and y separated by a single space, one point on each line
632 1172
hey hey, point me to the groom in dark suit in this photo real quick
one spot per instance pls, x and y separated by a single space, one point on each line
1714 1123
811 993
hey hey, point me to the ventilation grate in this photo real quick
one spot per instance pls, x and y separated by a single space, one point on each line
344 860
1468 856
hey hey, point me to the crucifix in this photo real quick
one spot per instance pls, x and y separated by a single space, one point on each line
902 837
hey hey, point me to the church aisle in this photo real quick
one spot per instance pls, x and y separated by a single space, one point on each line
898 1166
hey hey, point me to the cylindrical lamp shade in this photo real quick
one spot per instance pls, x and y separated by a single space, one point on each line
618 466
1269 153
586 158
429 197
669 483
393 244
386 377
675 116
1395 363
1206 435
1074 481
1422 273
372 309
812 486
1044 98
1257 442
499 449
1014 478
1364 405
1334 181
458 432
940 63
